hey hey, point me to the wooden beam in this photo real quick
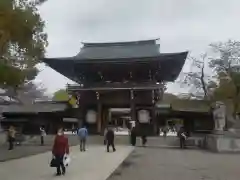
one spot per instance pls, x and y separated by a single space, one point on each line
99 117
132 106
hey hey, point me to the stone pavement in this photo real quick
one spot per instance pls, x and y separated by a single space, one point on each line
94 164
32 146
155 163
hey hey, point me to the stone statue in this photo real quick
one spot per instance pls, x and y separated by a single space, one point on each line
219 116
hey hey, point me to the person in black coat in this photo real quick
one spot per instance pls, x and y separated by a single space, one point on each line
182 137
144 140
133 136
110 139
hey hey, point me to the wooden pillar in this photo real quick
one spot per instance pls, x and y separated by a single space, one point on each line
154 120
105 117
99 113
99 117
80 116
79 110
109 116
132 106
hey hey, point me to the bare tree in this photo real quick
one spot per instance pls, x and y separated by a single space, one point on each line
27 93
197 79
227 67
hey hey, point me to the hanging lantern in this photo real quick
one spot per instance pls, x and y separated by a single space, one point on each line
97 95
143 116
132 94
91 117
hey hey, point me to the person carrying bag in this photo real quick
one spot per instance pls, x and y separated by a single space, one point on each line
60 150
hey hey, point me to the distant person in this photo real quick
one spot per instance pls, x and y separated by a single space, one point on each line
60 148
110 139
42 135
144 140
133 136
73 129
165 131
105 136
83 133
11 137
182 137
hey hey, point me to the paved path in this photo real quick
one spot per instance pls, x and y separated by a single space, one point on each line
33 147
172 163
95 164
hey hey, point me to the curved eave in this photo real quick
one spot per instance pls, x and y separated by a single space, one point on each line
65 66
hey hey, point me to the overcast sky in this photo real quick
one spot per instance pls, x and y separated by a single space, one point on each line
180 24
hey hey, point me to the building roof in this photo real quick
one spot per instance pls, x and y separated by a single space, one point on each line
185 105
117 59
119 50
34 108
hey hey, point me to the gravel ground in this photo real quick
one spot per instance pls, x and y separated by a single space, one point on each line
161 163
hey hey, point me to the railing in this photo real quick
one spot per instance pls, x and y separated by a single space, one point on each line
116 86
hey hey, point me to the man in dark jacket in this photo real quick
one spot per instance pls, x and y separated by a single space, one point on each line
110 139
133 136
182 136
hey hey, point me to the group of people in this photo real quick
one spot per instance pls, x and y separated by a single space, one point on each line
182 135
133 137
61 147
108 138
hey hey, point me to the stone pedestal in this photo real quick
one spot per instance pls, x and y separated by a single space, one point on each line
223 143
220 140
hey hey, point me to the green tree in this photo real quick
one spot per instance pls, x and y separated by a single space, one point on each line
22 42
62 95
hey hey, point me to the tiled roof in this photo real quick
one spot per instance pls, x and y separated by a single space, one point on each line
34 108
135 49
186 105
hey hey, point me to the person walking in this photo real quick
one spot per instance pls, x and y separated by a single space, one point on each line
60 148
105 136
165 131
144 140
11 137
73 129
83 133
110 139
42 135
182 137
133 136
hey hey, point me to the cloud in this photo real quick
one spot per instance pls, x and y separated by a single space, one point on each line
181 25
